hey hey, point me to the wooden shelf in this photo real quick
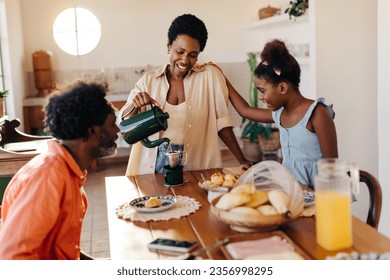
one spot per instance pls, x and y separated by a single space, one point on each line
277 20
282 21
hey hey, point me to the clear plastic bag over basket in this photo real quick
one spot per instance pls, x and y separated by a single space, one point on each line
266 176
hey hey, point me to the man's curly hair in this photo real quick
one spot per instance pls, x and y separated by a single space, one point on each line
190 25
72 111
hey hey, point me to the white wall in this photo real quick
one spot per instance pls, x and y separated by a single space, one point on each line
134 33
383 110
347 71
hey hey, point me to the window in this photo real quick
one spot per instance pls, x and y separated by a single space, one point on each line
76 31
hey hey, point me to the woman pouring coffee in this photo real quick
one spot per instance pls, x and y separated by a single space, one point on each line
196 99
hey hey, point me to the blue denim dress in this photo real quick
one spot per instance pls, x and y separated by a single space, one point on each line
300 147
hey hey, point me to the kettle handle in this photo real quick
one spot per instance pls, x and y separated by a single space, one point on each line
151 144
123 117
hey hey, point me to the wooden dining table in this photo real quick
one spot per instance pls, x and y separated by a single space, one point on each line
129 239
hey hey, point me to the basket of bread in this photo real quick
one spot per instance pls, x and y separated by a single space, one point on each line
264 197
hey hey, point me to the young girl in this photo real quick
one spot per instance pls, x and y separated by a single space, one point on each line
307 130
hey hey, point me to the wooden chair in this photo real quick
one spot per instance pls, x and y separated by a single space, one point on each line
10 134
375 198
16 149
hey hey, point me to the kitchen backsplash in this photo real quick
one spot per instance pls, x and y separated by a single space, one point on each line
122 80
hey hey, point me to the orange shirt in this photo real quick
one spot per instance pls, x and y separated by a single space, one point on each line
43 208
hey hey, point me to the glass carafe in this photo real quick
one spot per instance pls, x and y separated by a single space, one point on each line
333 188
177 158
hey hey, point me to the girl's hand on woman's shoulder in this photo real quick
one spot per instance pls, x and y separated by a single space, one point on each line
202 66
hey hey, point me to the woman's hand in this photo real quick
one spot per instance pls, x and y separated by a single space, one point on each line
143 99
140 100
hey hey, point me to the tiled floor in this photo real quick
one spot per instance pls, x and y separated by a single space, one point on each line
94 235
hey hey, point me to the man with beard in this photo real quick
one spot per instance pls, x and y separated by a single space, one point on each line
45 203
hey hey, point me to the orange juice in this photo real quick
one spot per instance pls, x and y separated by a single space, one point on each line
333 220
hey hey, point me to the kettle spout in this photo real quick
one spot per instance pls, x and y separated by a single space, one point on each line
151 144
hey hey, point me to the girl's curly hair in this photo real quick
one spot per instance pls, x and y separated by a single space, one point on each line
72 111
190 25
278 65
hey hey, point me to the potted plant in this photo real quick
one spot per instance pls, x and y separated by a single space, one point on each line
3 94
270 140
297 8
252 130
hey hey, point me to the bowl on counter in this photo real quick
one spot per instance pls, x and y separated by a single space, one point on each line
216 192
267 12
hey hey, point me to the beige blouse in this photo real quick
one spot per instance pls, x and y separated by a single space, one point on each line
206 113
176 123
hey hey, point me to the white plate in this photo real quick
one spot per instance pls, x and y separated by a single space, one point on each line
309 198
166 202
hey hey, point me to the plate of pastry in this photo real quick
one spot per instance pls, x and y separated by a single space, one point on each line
218 180
153 203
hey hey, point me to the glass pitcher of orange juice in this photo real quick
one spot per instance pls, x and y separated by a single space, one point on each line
333 188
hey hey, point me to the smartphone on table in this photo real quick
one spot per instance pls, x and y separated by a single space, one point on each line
172 246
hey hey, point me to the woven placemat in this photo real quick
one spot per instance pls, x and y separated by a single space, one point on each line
183 207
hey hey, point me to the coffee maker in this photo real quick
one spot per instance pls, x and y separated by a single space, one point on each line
139 127
173 172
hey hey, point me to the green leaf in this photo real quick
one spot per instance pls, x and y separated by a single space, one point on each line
246 129
297 8
252 138
4 93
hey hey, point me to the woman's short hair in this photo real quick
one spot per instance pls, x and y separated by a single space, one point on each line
77 107
188 24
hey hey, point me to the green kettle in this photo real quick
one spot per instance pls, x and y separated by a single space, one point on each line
139 127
